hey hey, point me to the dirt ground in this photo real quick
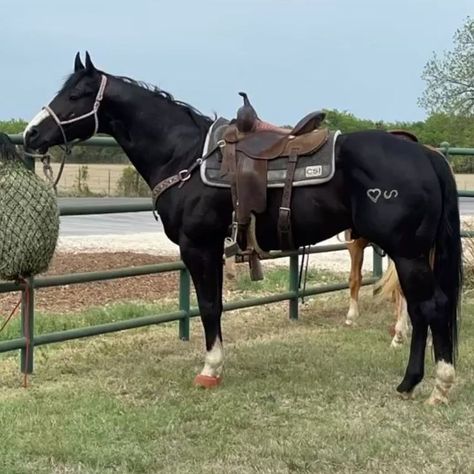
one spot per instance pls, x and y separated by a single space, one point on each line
72 298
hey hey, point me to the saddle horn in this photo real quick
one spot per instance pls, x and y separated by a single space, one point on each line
246 116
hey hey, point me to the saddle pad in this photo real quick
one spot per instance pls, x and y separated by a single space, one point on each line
312 169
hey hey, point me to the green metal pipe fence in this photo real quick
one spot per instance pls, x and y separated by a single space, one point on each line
182 314
185 311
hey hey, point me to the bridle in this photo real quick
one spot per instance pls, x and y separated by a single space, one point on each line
67 145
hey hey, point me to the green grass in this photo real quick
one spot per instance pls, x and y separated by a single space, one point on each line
305 396
276 279
51 322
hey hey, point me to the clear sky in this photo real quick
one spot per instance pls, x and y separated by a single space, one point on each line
290 56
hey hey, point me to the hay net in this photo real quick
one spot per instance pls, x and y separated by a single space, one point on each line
29 217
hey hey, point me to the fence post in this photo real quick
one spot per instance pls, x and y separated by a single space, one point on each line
27 325
445 149
293 287
184 303
377 262
28 159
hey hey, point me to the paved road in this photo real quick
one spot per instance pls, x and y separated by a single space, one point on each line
136 222
103 224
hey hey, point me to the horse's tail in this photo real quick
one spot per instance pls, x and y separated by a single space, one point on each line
388 285
448 269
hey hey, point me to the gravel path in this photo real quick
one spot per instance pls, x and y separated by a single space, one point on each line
156 243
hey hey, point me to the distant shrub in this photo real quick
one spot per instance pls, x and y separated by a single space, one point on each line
131 184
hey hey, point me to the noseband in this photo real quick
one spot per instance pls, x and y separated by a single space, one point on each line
92 113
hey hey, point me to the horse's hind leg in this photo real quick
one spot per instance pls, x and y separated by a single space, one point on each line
356 251
427 306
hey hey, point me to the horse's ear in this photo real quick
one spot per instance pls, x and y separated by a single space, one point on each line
78 63
89 66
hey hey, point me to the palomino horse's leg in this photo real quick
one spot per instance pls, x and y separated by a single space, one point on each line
427 305
356 251
205 266
388 287
401 324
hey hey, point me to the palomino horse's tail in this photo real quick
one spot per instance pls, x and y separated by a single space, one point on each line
388 286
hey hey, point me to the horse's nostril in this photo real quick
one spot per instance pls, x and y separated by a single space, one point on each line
31 134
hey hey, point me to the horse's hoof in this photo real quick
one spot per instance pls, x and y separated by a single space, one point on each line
348 323
396 344
206 381
435 401
407 395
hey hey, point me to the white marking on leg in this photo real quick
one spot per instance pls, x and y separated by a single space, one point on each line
445 375
214 360
36 120
353 312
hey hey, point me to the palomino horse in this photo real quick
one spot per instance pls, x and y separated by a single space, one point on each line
397 194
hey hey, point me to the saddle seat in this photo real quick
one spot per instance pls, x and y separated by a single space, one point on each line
269 144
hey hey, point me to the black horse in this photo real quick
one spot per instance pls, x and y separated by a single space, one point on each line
395 193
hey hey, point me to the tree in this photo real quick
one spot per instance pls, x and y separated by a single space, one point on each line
12 126
450 78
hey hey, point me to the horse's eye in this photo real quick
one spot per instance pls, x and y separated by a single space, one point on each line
74 95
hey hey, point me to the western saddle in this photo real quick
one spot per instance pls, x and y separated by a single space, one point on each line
249 144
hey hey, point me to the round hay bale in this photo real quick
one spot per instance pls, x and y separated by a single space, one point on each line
29 217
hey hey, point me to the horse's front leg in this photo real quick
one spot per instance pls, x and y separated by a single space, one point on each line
204 262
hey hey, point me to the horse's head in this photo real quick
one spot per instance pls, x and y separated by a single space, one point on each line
73 113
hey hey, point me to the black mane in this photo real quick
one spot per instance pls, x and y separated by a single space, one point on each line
72 80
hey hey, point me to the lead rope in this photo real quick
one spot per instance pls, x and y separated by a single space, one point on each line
7 320
47 169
